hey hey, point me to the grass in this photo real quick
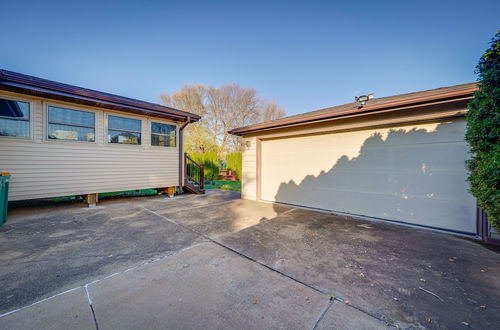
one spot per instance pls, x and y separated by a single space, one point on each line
224 185
141 192
216 184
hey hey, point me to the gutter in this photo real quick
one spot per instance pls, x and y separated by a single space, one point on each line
181 152
30 85
449 96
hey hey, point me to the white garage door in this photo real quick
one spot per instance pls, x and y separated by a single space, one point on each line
414 174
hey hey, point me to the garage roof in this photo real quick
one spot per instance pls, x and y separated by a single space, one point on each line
403 101
21 83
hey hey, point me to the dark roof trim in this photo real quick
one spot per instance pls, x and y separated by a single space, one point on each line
29 85
402 104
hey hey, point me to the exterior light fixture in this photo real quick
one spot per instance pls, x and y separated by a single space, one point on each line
364 98
248 144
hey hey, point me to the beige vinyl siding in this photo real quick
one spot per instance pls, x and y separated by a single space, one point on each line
36 120
49 168
249 165
409 173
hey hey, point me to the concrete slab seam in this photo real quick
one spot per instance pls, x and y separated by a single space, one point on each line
95 318
85 286
239 253
38 302
330 303
389 324
332 296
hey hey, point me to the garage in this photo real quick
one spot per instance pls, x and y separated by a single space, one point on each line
399 158
415 174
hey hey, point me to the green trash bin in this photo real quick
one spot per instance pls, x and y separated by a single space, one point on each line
4 197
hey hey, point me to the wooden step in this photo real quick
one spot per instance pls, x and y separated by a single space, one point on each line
193 189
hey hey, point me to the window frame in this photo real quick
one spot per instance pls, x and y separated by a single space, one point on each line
67 107
30 120
106 125
151 121
45 133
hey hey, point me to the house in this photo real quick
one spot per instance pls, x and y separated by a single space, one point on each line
399 158
60 140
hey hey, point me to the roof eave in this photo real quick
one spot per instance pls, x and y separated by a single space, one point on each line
367 110
73 94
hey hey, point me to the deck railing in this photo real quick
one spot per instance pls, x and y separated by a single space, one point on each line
195 173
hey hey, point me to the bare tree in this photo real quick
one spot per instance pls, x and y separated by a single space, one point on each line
230 106
192 98
270 111
222 109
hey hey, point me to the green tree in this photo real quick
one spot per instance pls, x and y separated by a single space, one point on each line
234 162
483 134
211 162
198 138
222 109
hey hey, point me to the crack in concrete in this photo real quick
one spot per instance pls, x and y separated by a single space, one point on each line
332 296
95 319
389 324
330 303
86 287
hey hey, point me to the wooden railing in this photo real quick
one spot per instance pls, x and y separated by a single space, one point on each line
195 173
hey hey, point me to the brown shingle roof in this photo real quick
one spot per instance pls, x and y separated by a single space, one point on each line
376 104
21 83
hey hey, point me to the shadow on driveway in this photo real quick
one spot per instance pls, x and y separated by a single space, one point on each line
378 272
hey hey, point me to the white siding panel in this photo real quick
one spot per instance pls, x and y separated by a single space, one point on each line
50 169
412 173
249 164
37 120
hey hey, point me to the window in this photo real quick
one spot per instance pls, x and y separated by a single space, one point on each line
124 130
163 135
14 118
71 125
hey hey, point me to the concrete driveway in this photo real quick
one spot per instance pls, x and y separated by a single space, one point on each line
216 261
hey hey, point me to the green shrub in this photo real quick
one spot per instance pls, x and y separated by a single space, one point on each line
483 134
225 185
211 162
233 162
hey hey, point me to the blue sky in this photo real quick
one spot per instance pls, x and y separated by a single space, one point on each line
305 55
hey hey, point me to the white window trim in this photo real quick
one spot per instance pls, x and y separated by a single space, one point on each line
46 139
31 103
106 128
151 121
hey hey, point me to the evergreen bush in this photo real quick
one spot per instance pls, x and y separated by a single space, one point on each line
234 163
483 134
